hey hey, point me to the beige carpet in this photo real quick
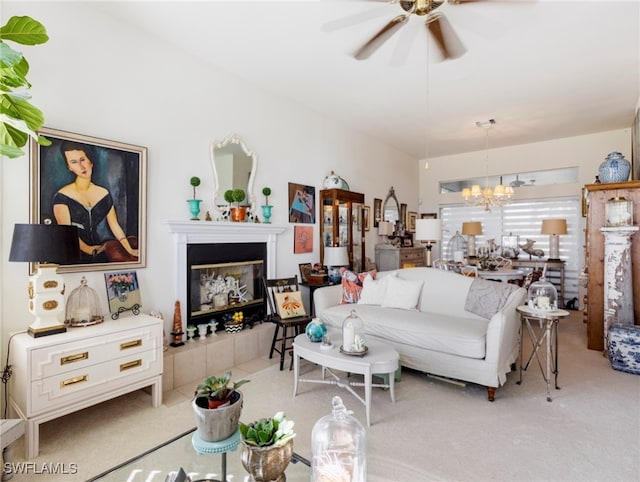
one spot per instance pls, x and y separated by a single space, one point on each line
434 431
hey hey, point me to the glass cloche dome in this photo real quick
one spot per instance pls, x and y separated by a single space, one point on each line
542 296
83 306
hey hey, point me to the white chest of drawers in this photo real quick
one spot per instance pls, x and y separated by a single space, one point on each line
60 374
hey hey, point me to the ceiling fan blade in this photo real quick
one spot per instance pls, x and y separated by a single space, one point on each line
445 37
378 39
354 19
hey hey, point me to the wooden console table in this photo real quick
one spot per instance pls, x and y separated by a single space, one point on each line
551 265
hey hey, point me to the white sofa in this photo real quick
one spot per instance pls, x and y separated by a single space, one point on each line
437 336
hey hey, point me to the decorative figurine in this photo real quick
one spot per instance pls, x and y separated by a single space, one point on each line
177 326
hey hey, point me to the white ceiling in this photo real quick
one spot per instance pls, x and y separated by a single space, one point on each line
544 70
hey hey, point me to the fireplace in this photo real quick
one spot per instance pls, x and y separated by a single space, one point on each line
225 278
239 253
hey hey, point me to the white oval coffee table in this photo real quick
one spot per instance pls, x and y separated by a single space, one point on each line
381 359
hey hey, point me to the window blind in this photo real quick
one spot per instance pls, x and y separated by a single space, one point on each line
523 219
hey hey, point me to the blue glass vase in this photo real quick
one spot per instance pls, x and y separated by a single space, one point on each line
194 208
266 213
316 330
615 168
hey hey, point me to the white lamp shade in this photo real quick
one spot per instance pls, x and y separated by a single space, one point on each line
428 229
336 256
385 228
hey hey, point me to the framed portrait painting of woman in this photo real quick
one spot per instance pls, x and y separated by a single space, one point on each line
97 185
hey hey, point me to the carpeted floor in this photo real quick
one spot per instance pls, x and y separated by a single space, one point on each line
434 431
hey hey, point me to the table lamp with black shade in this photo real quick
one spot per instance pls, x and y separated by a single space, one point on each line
48 246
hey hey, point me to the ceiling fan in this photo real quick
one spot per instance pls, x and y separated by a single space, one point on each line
446 39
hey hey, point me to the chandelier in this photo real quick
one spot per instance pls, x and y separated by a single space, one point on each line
487 197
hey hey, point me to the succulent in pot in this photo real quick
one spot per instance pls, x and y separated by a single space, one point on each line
218 390
275 431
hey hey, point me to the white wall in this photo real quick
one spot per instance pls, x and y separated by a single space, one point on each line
99 78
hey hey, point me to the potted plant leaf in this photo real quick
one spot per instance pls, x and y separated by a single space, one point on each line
238 213
267 446
194 204
217 405
266 208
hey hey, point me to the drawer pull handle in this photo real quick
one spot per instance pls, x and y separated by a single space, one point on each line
130 344
73 381
65 360
131 364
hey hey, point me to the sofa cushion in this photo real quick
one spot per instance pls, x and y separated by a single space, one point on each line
373 290
485 298
352 284
431 331
403 294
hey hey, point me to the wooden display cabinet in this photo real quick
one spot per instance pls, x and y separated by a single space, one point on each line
598 195
342 224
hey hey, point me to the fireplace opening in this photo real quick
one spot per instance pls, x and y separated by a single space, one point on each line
223 279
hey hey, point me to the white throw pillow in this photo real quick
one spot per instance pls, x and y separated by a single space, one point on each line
403 294
373 290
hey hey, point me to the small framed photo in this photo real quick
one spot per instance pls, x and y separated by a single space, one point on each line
411 221
305 271
407 242
123 292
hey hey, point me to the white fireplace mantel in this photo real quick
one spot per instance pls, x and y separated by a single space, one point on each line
209 232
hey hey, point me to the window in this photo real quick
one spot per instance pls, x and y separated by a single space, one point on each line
524 219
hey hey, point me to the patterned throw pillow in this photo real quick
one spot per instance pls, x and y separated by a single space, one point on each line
289 304
352 284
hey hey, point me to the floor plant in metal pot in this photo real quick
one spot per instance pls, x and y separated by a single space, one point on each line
217 405
267 447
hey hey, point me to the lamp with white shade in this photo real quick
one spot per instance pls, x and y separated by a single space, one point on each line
471 229
335 257
46 245
385 228
428 231
554 228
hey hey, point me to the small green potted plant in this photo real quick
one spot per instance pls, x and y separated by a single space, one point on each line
218 390
266 208
267 446
238 213
194 204
217 405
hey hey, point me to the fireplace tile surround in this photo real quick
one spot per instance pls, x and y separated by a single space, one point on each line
193 361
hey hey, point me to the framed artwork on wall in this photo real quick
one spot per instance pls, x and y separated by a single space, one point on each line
302 203
428 215
123 292
99 186
403 213
302 239
377 212
411 221
366 215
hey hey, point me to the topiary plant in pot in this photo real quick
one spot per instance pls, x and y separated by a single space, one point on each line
266 208
194 204
238 213
217 405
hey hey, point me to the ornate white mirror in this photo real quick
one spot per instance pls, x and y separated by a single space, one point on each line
391 207
234 167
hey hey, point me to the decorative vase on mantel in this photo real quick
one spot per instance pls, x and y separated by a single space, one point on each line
238 214
194 208
266 213
615 168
